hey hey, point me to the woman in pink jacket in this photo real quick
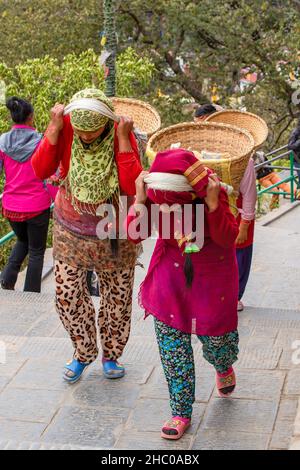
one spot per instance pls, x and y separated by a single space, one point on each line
191 287
26 201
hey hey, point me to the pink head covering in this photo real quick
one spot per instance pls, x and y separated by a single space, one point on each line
179 162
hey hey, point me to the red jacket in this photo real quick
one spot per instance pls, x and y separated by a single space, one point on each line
48 158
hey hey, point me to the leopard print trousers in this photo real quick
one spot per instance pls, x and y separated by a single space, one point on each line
77 313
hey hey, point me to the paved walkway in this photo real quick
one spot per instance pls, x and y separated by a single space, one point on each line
38 410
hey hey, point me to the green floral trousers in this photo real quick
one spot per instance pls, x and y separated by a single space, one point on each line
177 359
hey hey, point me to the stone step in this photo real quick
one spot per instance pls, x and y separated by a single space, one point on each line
288 220
29 299
7 296
278 215
273 317
26 445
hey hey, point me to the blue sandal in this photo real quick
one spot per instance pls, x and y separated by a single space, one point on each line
73 371
113 370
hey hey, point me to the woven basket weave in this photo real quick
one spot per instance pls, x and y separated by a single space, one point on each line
236 144
244 120
145 117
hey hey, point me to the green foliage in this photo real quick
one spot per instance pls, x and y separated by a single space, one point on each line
48 27
196 45
45 81
213 40
179 50
134 73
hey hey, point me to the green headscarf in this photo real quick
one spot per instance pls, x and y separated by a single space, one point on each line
89 121
93 175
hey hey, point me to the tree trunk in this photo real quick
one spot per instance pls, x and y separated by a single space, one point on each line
109 10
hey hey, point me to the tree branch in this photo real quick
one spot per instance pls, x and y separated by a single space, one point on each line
283 131
133 16
179 41
209 40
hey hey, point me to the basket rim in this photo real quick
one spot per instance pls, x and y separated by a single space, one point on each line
245 113
201 124
151 154
142 104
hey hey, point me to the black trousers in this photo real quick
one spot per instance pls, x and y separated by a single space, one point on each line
31 241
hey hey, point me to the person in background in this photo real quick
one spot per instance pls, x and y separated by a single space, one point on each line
294 144
26 201
267 177
246 204
202 113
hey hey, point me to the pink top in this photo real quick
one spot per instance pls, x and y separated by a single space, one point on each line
23 191
247 202
248 192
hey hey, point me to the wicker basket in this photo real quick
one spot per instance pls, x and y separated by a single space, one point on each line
244 120
236 144
145 117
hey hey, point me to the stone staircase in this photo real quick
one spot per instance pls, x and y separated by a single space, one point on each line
44 413
38 412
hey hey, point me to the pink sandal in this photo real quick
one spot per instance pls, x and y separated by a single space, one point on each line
175 428
226 383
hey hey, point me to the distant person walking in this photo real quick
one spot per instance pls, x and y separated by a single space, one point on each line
294 144
26 201
246 204
267 177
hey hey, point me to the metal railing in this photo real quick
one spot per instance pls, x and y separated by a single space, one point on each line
292 178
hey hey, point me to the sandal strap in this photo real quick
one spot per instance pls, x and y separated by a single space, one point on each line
75 366
227 381
173 424
114 365
224 382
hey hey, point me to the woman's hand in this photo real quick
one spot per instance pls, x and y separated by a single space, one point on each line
243 234
57 117
125 127
140 185
56 123
213 191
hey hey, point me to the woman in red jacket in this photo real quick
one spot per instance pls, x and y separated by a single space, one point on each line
97 161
